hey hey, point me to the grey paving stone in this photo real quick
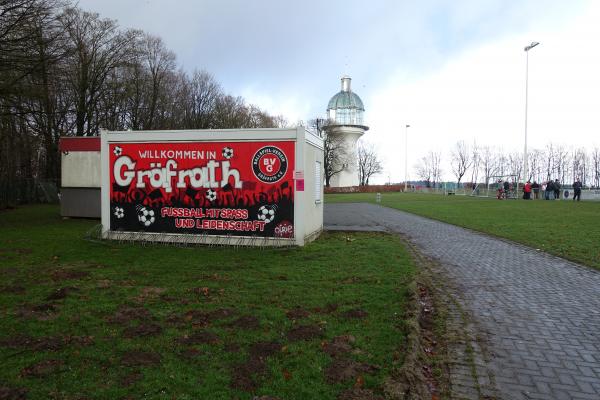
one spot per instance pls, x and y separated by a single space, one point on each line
539 314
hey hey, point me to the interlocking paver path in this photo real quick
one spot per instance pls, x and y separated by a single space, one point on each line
540 314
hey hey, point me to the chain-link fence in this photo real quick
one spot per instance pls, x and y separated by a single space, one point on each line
15 192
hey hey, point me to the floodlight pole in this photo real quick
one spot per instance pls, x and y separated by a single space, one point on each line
406 157
525 157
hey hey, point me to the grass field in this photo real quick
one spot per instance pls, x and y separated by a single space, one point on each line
80 319
565 228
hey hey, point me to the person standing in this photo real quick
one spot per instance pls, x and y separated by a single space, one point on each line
507 189
556 189
527 191
577 190
549 192
500 189
536 190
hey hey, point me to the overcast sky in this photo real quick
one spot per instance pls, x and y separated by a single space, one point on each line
453 70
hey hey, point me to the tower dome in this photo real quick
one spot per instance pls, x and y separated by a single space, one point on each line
345 107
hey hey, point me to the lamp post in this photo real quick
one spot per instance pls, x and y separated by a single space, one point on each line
525 161
406 157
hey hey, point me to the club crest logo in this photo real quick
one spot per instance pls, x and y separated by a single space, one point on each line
269 164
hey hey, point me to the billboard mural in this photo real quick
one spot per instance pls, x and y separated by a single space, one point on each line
213 188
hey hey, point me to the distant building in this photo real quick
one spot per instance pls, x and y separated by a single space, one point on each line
346 113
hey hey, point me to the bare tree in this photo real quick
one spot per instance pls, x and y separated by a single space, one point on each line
368 163
596 167
475 163
335 152
489 164
429 168
98 47
461 160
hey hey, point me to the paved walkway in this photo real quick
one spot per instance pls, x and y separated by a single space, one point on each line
539 314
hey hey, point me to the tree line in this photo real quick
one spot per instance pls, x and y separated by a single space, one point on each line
479 164
65 71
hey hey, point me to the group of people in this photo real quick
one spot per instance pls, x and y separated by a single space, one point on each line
550 189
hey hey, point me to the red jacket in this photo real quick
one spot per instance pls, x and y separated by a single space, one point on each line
527 188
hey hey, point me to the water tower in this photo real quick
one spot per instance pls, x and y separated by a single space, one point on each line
346 113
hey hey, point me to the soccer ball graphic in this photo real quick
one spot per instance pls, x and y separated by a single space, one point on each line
117 151
211 195
145 216
119 212
266 214
227 152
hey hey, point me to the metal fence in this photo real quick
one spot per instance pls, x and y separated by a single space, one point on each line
15 192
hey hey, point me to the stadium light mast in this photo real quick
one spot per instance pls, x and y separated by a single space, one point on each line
406 157
525 158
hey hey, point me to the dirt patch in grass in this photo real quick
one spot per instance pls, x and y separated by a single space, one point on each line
327 309
41 312
231 348
142 330
62 274
243 375
198 318
45 343
358 394
247 322
140 358
13 289
149 293
11 393
344 369
355 313
297 313
339 345
190 353
23 251
42 369
61 293
131 378
199 337
304 332
127 314
220 313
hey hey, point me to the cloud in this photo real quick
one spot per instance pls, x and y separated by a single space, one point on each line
480 96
